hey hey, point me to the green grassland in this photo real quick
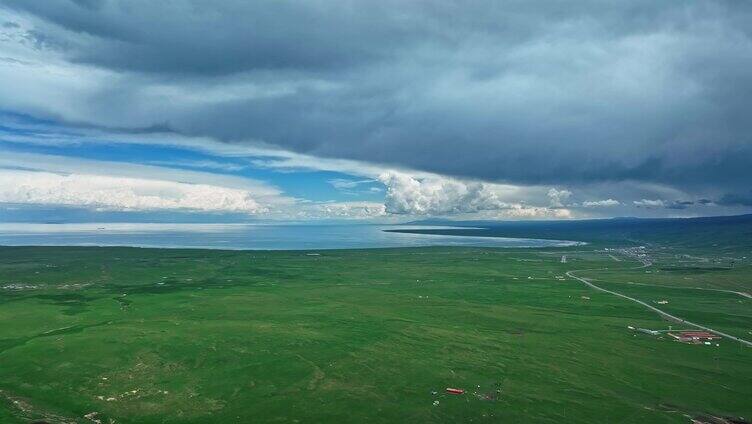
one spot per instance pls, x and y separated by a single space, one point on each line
199 336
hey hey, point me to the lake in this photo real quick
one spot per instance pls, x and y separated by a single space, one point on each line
245 236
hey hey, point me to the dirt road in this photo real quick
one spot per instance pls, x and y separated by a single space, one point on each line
662 313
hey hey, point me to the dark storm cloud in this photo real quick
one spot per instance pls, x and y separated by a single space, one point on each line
522 92
680 204
736 199
218 38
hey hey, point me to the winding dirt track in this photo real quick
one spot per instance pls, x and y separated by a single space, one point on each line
664 314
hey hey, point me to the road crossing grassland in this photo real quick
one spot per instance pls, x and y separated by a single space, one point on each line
195 336
656 310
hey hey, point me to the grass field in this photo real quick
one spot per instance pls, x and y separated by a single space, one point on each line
197 336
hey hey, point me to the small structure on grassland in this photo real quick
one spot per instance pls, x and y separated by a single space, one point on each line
453 391
695 337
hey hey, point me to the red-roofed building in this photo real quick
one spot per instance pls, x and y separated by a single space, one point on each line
694 336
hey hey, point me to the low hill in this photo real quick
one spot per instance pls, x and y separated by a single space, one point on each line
725 232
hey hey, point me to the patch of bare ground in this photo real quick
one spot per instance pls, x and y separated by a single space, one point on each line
25 410
712 419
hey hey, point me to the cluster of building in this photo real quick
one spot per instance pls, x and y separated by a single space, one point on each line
684 336
695 337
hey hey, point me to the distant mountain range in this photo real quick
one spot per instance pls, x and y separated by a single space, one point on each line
586 222
723 232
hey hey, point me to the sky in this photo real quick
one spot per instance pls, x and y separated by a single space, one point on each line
390 111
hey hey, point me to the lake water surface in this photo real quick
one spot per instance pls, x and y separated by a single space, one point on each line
244 236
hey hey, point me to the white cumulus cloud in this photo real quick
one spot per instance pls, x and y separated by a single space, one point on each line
121 193
558 197
408 194
601 203
436 195
349 210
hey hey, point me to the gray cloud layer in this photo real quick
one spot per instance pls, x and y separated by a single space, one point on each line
521 92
